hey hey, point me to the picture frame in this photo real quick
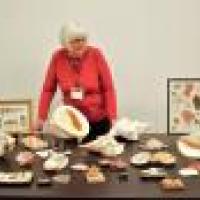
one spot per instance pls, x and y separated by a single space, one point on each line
15 115
183 105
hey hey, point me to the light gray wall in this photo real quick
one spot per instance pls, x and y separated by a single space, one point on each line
146 41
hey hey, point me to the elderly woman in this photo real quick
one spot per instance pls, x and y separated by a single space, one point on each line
83 75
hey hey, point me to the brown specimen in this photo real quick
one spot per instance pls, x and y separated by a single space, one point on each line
76 122
187 116
196 102
188 89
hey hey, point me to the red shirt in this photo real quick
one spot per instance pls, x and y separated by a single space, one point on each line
94 77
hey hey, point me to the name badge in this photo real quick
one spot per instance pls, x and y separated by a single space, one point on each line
77 93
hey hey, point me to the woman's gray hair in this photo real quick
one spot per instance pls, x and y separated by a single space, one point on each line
71 31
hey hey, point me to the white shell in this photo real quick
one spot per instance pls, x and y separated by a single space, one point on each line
79 167
188 151
61 119
140 158
62 178
129 129
106 145
56 161
188 172
43 154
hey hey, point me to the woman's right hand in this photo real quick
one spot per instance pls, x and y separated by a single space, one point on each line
38 126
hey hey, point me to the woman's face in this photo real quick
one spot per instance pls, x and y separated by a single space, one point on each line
77 46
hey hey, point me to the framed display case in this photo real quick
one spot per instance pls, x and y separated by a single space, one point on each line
15 115
183 105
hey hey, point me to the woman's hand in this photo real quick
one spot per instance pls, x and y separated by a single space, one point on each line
38 126
112 121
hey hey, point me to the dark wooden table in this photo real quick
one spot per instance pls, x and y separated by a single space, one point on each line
133 188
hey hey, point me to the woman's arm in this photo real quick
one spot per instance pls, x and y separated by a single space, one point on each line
107 87
48 90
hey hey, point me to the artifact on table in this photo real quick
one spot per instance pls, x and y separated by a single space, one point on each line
153 144
172 184
106 145
67 152
7 143
94 175
118 164
43 153
194 165
79 167
123 176
44 181
25 158
71 123
187 172
153 173
189 146
56 162
34 143
141 158
129 129
62 178
105 162
24 177
163 157
113 163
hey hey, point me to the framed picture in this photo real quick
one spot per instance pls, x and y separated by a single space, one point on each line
15 115
183 105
